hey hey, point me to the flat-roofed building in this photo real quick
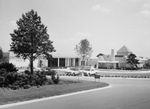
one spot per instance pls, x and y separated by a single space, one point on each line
5 57
58 60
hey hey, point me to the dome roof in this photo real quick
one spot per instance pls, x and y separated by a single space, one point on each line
101 58
100 54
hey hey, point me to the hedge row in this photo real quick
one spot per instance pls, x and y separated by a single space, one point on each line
10 78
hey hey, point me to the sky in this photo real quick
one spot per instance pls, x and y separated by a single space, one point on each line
107 24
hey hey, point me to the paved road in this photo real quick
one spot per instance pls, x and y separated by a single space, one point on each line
124 94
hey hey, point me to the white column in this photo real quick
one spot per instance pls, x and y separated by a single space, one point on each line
112 55
97 65
114 65
79 62
73 61
65 62
68 62
58 62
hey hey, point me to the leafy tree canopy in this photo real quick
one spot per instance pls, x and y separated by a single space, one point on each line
1 53
132 60
31 39
84 49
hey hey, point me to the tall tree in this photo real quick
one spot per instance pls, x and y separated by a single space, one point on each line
132 60
1 53
84 49
31 39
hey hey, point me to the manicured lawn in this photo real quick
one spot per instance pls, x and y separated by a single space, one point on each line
65 86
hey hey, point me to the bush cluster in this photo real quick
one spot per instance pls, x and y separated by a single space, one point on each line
9 67
9 78
54 76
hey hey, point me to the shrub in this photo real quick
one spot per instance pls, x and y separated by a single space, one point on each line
14 87
1 81
9 67
25 80
2 77
26 86
111 75
50 72
55 78
40 78
8 78
53 74
122 76
2 72
27 72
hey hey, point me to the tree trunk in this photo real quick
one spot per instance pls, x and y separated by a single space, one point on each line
31 58
31 64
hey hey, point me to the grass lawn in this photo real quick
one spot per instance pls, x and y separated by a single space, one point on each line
65 86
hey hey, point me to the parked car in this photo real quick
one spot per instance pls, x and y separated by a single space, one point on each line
72 72
89 71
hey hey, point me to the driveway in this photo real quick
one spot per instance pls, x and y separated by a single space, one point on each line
124 94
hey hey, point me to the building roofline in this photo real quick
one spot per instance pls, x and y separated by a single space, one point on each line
124 49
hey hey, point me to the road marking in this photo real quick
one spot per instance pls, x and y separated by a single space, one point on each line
53 97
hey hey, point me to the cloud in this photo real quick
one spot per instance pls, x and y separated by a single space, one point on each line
100 8
82 35
78 36
117 1
145 12
134 1
146 6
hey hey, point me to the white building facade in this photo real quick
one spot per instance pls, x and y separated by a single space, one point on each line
57 61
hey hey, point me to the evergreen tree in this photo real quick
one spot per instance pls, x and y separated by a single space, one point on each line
1 53
31 39
132 60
